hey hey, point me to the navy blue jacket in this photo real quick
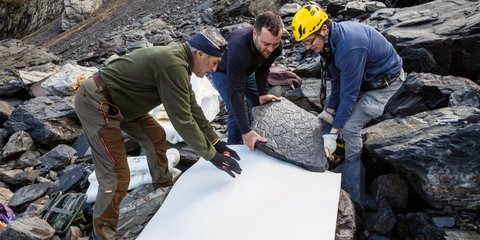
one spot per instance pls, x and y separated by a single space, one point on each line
360 53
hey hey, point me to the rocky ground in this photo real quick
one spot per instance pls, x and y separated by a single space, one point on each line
422 188
84 38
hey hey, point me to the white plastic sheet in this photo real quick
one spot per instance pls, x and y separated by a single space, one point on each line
139 173
270 200
65 82
207 98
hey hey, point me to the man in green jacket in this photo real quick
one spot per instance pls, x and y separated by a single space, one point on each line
120 96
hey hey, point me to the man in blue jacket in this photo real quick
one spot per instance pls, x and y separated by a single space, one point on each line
366 71
243 72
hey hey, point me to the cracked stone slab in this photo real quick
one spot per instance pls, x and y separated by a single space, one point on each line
293 134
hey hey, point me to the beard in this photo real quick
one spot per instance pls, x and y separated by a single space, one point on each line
264 54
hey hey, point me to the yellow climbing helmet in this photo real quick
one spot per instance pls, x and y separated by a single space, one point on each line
307 20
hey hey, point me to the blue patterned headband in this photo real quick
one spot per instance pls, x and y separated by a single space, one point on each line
202 43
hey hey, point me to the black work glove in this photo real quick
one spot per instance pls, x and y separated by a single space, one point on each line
222 148
227 164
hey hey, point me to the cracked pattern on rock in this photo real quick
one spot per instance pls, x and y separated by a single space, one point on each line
293 134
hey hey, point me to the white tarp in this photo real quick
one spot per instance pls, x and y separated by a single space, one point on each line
65 82
207 98
139 173
270 200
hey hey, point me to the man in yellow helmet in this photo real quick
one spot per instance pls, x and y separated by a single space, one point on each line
363 66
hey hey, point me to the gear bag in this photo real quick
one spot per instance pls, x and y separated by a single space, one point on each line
64 209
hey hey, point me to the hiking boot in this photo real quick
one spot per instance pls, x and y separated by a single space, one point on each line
108 233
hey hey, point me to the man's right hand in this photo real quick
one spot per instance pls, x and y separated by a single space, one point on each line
329 144
226 163
269 98
251 138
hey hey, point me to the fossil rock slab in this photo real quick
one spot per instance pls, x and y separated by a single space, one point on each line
294 135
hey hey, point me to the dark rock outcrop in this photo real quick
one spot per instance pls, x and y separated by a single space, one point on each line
48 120
441 161
443 32
425 91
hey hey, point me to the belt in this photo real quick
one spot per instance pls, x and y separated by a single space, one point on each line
379 82
104 91
390 78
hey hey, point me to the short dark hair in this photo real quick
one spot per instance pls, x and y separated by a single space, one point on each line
269 20
327 22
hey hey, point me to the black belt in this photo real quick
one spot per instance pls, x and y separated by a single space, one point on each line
380 82
104 91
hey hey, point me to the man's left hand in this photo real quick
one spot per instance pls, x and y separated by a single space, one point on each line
221 147
269 98
227 164
326 116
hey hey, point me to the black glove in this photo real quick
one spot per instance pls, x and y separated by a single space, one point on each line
222 148
226 163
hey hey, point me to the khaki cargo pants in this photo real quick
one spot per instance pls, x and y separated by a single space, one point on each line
103 130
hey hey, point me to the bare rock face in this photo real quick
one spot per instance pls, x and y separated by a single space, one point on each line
438 37
20 17
78 10
440 159
294 135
